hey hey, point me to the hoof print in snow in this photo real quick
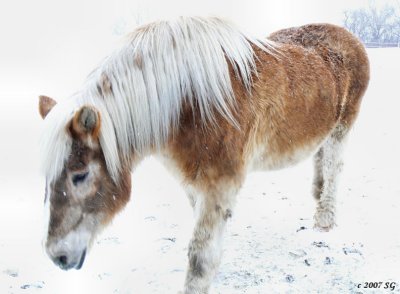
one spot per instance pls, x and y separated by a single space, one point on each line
320 244
301 229
177 270
289 278
109 240
103 276
347 251
328 260
298 253
150 218
37 285
11 273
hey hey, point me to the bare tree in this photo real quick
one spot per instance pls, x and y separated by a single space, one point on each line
381 23
356 21
373 24
396 27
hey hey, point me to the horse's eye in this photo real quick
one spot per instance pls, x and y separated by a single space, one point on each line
79 178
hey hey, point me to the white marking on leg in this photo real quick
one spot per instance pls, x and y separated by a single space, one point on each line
205 248
331 163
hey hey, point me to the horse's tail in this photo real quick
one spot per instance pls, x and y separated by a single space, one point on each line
356 62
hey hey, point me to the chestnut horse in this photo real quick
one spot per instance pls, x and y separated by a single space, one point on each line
213 103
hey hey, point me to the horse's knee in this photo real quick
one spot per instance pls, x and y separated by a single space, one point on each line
225 212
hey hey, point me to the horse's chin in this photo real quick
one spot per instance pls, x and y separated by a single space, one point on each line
81 261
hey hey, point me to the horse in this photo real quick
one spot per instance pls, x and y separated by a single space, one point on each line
213 103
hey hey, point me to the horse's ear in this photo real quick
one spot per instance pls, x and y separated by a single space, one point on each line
86 122
45 105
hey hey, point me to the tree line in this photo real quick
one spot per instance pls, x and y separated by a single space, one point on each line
374 25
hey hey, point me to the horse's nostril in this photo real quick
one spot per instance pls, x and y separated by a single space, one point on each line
62 260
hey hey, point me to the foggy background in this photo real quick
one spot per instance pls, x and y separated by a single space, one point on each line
49 47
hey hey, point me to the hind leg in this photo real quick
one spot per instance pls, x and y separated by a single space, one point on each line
318 174
327 167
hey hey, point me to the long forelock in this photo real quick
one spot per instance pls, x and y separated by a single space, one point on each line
55 141
140 89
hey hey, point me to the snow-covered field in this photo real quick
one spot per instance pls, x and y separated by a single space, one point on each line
270 245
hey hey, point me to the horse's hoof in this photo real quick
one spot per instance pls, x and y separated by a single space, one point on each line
324 221
322 229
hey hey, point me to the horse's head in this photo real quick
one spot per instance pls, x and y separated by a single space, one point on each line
82 198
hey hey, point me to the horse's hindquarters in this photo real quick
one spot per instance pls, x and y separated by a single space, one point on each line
344 55
296 106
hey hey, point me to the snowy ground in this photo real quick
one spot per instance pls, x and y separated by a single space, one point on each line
270 245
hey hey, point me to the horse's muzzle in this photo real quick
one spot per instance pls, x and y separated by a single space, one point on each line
66 263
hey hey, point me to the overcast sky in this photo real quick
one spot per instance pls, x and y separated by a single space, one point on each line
35 33
33 30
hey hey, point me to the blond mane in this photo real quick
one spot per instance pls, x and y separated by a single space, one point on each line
139 90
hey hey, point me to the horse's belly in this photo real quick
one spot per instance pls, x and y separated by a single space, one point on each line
266 158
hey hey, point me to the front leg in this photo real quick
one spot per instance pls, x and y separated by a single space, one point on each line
212 210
